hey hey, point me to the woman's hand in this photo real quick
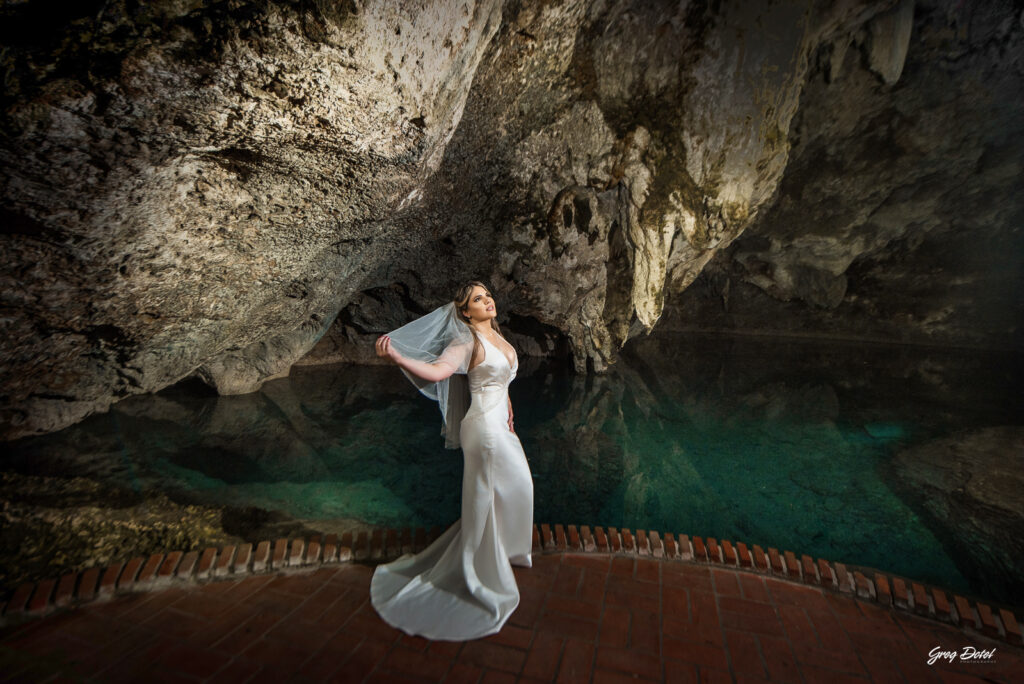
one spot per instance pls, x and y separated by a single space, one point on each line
386 351
431 372
511 426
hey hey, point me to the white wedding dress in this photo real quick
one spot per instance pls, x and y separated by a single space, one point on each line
461 586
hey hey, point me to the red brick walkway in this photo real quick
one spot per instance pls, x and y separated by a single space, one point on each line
582 618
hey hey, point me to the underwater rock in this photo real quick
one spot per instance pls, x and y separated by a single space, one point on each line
969 485
885 431
53 525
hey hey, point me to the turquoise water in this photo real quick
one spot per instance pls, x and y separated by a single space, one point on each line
789 445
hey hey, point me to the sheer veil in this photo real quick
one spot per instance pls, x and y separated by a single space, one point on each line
440 337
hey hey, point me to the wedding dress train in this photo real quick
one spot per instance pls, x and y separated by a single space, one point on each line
462 586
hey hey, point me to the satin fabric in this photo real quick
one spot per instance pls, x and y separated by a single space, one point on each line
462 586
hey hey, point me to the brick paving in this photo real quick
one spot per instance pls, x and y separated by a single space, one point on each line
583 617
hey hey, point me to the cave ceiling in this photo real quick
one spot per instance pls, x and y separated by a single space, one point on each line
225 189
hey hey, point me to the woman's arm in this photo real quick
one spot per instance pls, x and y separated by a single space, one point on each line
510 426
431 372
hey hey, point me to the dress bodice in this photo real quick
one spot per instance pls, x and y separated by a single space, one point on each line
494 372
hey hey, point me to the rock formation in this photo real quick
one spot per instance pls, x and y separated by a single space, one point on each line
898 216
968 486
214 188
200 188
613 148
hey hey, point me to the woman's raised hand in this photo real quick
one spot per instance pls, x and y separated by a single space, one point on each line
385 350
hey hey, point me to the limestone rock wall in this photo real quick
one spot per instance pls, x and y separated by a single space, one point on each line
227 188
608 151
195 186
899 214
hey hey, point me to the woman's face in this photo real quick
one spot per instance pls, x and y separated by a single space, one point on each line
480 306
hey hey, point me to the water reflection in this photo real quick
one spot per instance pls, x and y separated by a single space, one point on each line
779 444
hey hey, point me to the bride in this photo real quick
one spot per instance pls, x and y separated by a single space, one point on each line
462 586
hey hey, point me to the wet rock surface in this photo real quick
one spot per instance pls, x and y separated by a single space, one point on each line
969 485
53 525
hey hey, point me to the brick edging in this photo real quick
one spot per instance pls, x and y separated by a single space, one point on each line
35 599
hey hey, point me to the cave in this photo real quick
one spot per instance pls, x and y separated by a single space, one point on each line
760 264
